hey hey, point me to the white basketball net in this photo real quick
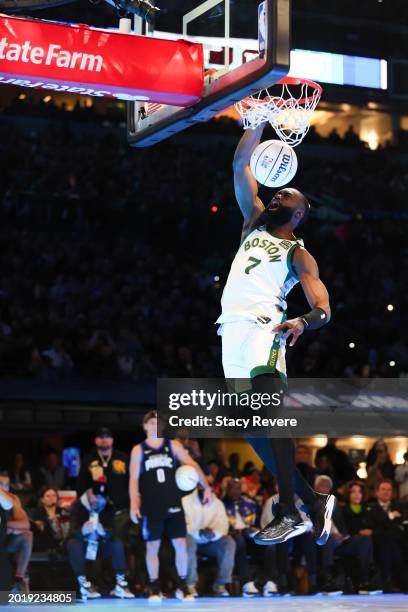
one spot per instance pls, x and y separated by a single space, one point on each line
288 114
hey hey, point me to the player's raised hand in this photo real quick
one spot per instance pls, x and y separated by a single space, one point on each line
291 327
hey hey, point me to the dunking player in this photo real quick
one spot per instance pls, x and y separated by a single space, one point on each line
155 498
254 329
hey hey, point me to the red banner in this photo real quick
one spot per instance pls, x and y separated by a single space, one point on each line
80 59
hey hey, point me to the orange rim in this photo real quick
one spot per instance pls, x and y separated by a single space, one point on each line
248 102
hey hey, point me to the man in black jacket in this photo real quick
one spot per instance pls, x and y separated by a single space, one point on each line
385 517
92 536
110 469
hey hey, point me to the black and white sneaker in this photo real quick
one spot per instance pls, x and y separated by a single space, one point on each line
284 526
321 515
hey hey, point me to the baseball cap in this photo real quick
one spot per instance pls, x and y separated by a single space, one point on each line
104 432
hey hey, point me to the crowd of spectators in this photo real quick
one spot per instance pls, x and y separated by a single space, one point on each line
114 259
367 550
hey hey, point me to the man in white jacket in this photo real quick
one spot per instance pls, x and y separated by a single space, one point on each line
207 529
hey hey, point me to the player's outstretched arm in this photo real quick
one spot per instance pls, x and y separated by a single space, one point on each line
245 185
316 294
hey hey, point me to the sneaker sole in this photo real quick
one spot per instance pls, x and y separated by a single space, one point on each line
291 534
328 512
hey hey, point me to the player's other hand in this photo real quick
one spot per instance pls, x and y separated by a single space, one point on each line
291 327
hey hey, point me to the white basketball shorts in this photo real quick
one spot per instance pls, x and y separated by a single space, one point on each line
249 349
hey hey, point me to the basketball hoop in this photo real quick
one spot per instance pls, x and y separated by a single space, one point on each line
289 113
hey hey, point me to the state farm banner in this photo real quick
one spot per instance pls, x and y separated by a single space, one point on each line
101 63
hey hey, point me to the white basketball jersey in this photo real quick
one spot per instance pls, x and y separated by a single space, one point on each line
260 278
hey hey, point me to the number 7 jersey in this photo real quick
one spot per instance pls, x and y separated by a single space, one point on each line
260 278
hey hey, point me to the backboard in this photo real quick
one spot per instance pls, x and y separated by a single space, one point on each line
246 47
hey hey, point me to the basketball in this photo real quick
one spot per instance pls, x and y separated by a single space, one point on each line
273 163
186 478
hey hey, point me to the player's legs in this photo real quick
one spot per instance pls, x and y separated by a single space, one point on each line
152 559
252 351
180 549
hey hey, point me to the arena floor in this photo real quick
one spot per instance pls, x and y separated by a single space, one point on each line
380 603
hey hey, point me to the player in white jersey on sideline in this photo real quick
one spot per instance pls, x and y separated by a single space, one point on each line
254 328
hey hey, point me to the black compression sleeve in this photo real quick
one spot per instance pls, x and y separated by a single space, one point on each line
314 319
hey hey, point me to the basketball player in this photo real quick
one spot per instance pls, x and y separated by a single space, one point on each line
254 328
155 498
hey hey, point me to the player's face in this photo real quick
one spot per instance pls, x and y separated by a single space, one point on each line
286 205
151 428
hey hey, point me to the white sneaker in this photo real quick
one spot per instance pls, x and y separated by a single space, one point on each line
86 589
192 590
249 589
270 589
121 589
220 590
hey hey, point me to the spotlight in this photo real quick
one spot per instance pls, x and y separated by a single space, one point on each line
392 363
390 307
351 345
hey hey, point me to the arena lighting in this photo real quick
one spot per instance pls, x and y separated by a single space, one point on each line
392 363
390 307
214 208
351 345
216 279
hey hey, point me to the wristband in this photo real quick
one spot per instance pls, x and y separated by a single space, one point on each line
314 319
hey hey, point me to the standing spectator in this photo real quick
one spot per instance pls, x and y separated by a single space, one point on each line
242 515
92 535
207 528
19 540
108 466
51 473
401 477
385 517
19 475
342 468
50 521
6 505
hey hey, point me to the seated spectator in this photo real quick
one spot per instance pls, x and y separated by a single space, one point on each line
234 460
91 535
20 477
242 515
57 360
216 481
253 487
342 544
6 505
385 517
51 473
50 522
207 533
19 540
304 463
379 465
343 471
401 477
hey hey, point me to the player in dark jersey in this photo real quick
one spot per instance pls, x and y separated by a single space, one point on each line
155 498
